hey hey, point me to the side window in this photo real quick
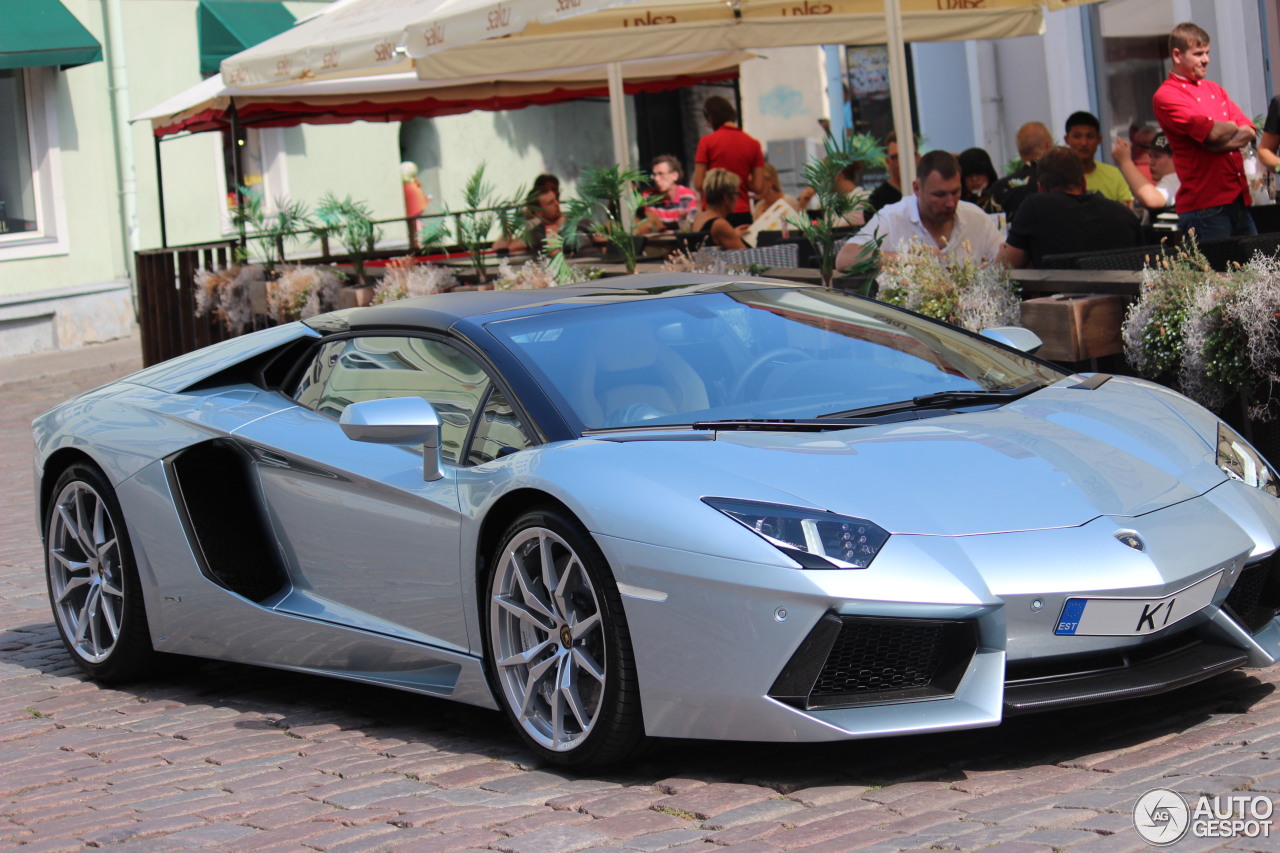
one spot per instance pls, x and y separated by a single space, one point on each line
375 367
498 431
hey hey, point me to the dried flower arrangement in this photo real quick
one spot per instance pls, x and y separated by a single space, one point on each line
405 277
301 291
228 293
533 274
959 291
710 263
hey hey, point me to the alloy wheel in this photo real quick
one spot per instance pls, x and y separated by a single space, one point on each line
548 638
86 571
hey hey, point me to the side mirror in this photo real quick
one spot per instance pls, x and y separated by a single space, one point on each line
1016 337
397 420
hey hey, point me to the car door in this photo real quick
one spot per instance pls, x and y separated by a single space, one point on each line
365 540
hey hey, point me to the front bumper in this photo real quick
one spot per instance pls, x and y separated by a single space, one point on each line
732 650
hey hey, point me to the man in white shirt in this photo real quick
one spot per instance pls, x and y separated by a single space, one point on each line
933 215
1155 197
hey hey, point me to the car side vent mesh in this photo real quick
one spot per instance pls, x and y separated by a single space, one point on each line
1255 598
859 660
214 483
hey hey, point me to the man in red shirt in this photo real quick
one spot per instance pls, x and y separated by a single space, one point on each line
729 147
1206 131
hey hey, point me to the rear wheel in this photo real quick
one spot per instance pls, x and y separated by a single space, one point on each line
93 583
558 646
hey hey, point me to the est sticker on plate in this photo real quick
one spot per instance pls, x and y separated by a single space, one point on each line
1133 617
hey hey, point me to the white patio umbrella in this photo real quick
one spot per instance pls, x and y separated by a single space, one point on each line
445 39
402 95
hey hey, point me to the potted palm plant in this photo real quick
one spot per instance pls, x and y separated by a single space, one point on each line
271 231
823 174
477 220
603 196
352 223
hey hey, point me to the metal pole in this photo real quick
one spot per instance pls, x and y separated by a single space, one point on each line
122 137
618 121
900 93
164 233
236 175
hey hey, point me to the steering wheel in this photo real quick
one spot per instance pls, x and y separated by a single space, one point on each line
785 354
634 414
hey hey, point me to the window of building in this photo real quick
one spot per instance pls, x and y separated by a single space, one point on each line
30 219
262 169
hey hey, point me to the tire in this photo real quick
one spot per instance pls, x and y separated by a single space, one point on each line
93 583
558 652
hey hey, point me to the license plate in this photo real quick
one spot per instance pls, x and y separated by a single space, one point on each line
1133 617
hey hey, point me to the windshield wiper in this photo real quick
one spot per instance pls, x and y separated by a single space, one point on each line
818 424
953 397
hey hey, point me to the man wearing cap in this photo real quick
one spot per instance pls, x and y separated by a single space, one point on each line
1206 132
1155 197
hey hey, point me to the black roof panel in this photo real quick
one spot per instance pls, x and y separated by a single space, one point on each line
440 311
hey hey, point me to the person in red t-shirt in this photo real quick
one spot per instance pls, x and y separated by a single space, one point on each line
729 147
1206 131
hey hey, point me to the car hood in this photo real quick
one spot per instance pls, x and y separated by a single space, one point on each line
1058 458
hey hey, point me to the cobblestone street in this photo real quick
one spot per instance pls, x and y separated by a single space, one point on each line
230 757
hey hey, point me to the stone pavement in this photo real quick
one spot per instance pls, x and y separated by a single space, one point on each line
237 758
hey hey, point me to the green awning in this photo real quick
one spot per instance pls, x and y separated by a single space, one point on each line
227 27
42 32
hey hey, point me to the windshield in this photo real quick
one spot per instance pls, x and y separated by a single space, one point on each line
776 353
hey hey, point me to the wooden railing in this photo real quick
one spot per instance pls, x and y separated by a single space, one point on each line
166 299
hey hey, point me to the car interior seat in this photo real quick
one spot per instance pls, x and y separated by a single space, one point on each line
629 376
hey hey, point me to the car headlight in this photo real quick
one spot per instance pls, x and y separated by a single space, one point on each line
1241 462
813 538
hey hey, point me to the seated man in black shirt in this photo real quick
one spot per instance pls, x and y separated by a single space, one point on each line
1064 218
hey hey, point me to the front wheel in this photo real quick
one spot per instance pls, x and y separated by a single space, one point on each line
93 584
558 647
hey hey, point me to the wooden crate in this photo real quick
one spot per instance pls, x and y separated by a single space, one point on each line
1076 326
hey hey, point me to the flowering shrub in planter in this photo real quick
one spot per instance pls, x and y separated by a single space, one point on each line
1212 334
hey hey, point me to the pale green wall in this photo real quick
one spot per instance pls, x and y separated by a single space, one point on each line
191 164
93 252
359 159
161 51
515 146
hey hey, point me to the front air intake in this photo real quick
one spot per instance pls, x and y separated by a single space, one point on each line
1255 597
869 660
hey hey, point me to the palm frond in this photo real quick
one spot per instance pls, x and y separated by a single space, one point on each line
477 192
822 175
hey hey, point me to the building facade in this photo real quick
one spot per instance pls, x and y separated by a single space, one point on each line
79 186
78 180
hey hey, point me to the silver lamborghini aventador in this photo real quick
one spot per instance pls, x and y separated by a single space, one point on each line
677 506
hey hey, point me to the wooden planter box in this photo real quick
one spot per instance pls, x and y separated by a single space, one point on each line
1076 326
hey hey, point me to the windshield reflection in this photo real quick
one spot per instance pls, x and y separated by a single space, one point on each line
750 354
